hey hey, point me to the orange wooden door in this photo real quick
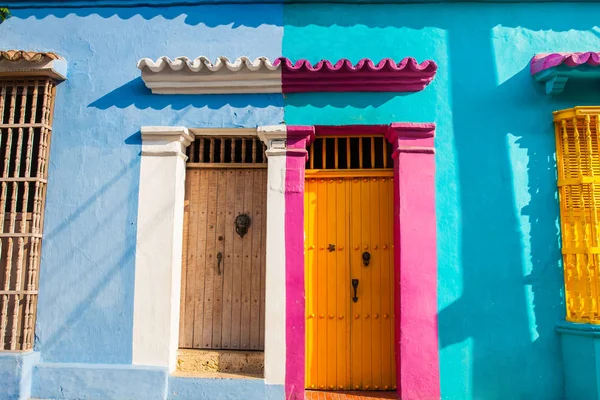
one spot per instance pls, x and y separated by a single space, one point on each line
349 343
222 302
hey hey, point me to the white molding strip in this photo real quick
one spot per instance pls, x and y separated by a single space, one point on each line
201 76
275 297
159 246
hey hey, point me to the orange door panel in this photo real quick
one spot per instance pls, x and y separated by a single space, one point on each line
349 239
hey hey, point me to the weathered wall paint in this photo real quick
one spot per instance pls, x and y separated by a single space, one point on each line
87 272
15 375
499 273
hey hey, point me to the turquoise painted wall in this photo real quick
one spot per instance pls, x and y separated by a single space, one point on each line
500 280
87 274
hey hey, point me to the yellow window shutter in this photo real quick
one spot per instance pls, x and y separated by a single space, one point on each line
578 163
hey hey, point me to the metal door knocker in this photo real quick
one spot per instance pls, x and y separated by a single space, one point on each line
242 223
366 256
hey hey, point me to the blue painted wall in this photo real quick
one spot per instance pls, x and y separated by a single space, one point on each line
500 278
87 272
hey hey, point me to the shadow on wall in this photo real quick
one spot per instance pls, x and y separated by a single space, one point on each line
208 15
137 94
505 294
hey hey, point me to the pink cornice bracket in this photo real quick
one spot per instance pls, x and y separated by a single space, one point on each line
411 137
365 76
540 62
555 69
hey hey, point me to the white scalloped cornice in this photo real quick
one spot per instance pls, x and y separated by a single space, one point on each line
201 76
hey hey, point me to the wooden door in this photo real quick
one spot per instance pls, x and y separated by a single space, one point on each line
349 343
222 301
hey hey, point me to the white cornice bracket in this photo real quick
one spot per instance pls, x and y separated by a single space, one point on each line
201 76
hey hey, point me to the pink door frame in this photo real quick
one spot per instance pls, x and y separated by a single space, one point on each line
416 336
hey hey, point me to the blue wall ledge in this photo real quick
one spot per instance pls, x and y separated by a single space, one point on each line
580 345
15 374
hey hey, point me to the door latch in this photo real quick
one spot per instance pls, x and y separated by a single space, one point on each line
219 259
355 286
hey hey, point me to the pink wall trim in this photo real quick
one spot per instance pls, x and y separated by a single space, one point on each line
417 357
298 137
416 339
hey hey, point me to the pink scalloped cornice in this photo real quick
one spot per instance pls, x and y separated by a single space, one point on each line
541 62
365 76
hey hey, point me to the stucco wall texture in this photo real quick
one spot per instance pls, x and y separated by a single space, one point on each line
87 273
499 270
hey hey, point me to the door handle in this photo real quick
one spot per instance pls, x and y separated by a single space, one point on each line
355 286
219 259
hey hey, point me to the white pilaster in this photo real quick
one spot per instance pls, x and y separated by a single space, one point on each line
275 307
159 246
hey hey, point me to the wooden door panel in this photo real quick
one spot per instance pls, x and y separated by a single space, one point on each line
372 349
327 284
349 345
223 302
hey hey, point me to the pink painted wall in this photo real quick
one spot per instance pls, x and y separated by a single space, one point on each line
298 137
417 362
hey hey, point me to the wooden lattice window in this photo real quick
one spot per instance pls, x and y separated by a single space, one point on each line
578 162
25 128
349 152
247 151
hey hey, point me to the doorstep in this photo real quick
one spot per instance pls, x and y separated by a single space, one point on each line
220 363
364 395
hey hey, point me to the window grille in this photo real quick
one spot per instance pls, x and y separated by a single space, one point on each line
26 108
578 163
242 151
350 152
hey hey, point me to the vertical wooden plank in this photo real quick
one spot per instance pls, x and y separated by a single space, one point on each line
387 278
221 213
331 294
366 283
355 268
336 153
247 263
184 261
321 274
263 258
200 273
256 258
372 165
236 314
228 259
222 151
343 297
360 152
375 267
348 162
211 259
201 150
193 188
309 203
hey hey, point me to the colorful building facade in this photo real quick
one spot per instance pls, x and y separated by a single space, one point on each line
351 196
